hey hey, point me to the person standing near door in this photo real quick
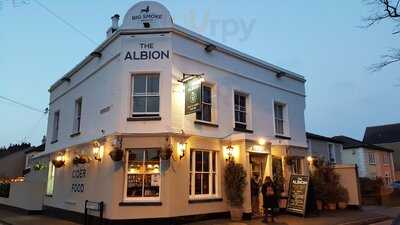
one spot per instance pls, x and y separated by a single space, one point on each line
255 185
270 199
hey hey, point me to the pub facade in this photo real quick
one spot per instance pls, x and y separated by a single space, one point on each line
147 121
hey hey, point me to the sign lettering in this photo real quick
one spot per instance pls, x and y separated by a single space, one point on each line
192 96
147 52
298 188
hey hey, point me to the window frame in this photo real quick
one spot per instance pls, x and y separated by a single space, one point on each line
285 118
56 126
51 174
193 172
246 111
371 162
145 94
77 116
126 173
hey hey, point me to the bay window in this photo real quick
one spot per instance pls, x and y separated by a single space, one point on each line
203 174
146 95
143 178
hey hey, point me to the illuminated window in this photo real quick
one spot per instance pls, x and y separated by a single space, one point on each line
143 178
50 179
205 113
146 95
203 174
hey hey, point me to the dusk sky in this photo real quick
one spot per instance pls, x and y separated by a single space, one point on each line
41 40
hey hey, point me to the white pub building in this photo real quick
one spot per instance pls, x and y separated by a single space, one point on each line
146 122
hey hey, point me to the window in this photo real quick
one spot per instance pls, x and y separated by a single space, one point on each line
279 114
146 96
203 174
332 154
56 126
205 113
50 179
386 158
77 116
240 110
28 161
297 166
371 158
387 178
143 178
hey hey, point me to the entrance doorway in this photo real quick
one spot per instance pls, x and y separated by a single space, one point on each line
258 163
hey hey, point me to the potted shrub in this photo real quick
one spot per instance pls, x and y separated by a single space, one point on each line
235 182
343 197
116 154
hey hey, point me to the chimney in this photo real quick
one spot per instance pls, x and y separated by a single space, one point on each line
114 25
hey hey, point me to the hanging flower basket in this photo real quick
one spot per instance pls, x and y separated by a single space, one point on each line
26 171
79 159
116 155
58 164
38 167
166 153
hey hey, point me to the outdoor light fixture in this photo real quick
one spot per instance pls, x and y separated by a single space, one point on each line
59 161
96 54
309 159
210 48
262 141
280 74
229 153
181 147
146 25
98 151
187 77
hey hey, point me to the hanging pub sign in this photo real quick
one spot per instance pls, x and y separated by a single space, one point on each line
298 188
192 96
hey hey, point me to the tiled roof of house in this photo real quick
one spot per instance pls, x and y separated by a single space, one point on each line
349 142
321 138
382 134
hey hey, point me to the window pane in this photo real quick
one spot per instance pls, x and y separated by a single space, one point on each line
214 161
236 99
279 126
206 94
197 184
206 181
153 104
206 161
199 161
135 161
139 84
139 104
151 185
206 112
190 184
214 189
134 185
152 84
152 161
242 102
278 111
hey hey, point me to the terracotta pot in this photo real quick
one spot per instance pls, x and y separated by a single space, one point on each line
117 155
236 213
332 206
320 205
57 164
342 205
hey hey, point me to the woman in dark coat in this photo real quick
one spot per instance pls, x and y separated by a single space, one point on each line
270 199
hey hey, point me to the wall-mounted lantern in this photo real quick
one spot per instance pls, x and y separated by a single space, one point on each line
98 151
59 161
181 148
229 153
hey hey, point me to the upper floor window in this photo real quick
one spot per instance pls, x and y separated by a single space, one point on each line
371 158
56 126
146 94
203 174
143 179
240 102
77 116
386 157
331 153
205 114
280 119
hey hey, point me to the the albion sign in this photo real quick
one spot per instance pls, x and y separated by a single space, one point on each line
147 52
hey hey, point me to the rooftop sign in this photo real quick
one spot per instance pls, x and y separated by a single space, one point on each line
147 14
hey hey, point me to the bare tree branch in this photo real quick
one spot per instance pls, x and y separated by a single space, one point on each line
393 56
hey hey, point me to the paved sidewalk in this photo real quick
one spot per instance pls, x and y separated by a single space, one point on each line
369 215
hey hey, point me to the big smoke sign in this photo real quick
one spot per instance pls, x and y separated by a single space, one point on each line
146 52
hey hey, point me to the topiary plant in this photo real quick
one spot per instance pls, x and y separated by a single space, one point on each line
235 182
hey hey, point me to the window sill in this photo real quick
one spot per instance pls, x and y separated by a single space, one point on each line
282 137
243 130
144 118
53 142
140 203
205 200
205 123
75 134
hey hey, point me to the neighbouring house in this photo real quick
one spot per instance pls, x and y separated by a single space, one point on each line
372 161
146 124
387 136
324 148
